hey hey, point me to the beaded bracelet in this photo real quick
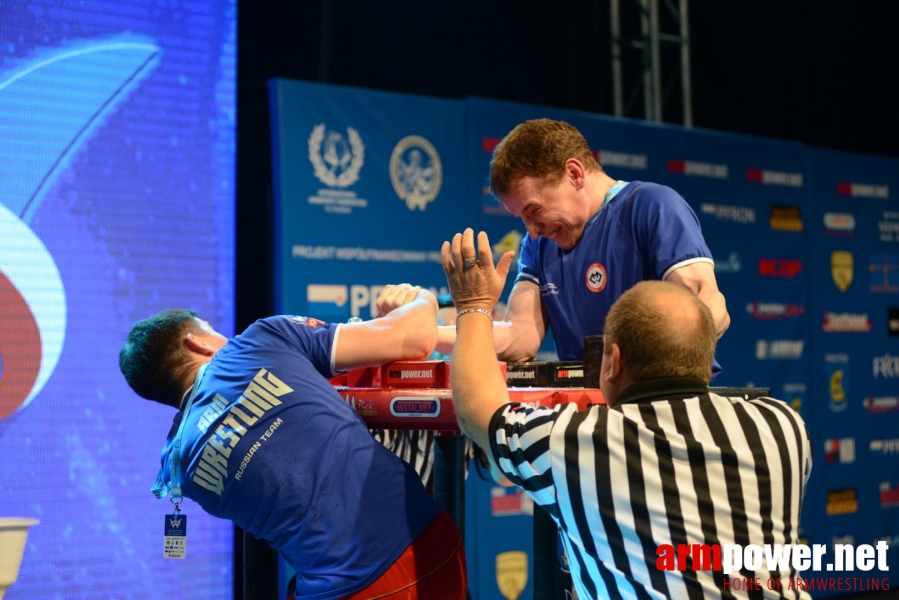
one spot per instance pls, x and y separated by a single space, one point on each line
465 311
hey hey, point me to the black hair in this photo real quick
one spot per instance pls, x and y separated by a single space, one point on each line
153 358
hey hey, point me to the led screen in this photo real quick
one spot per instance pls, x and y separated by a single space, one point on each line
116 201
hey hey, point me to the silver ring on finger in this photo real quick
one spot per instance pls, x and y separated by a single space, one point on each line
470 262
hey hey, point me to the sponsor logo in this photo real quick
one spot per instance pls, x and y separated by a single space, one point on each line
610 158
889 496
692 168
569 374
336 161
886 366
733 264
549 289
839 224
846 322
766 177
889 227
884 446
862 190
842 502
596 277
366 409
840 451
774 310
844 540
510 241
879 269
778 349
317 293
794 393
785 218
780 267
841 269
893 320
838 380
416 171
325 297
415 406
881 404
726 212
411 373
507 502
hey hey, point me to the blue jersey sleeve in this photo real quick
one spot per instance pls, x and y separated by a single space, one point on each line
527 262
666 229
315 339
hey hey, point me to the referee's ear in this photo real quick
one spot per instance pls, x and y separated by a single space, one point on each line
611 379
614 367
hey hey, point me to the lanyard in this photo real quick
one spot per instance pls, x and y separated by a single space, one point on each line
159 488
613 191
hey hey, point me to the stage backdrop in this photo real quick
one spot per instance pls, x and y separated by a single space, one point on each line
346 160
116 201
853 229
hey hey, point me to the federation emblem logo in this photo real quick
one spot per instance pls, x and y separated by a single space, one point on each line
596 277
175 522
841 269
336 160
416 171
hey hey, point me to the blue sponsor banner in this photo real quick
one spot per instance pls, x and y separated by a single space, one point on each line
367 186
749 195
805 244
853 238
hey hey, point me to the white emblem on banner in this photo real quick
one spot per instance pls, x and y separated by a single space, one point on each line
335 159
416 171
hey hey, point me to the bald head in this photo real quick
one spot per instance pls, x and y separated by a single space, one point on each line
662 330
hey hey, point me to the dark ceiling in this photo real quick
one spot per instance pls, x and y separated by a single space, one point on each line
805 70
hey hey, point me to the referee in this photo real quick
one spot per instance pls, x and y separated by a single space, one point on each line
668 463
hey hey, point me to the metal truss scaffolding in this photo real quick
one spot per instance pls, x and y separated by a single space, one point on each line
651 59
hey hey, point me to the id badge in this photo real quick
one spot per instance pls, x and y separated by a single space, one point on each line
175 540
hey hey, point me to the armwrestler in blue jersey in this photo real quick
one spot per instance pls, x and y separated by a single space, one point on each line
270 445
590 238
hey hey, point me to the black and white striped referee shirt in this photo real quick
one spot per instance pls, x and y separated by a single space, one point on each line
669 464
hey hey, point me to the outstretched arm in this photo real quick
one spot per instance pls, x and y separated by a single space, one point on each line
699 278
517 337
477 383
406 331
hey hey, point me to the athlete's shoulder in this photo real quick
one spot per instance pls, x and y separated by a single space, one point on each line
648 191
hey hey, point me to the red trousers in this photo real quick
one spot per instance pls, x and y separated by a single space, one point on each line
431 568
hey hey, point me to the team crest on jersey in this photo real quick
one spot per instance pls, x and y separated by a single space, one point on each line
307 321
596 277
416 171
336 160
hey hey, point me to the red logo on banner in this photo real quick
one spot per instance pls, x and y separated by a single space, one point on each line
780 267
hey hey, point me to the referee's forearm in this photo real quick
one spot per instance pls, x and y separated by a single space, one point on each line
477 383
